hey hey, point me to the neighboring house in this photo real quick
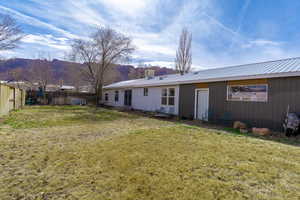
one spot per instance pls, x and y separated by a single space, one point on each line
86 89
258 94
53 88
67 88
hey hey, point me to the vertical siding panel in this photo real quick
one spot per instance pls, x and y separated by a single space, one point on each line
250 113
294 94
286 98
187 101
297 94
282 92
212 103
274 87
272 95
281 102
268 105
278 102
9 99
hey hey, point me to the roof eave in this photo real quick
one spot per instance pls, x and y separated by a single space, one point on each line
273 75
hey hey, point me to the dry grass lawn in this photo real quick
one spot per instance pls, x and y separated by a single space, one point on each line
88 153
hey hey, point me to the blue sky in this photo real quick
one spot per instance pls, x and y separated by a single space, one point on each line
225 32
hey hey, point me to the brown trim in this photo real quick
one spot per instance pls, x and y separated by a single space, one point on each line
238 82
248 82
202 85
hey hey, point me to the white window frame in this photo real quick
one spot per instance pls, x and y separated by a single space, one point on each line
267 87
168 96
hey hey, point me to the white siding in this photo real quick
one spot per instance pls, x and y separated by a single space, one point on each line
152 102
111 98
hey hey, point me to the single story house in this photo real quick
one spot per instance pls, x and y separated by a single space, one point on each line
258 94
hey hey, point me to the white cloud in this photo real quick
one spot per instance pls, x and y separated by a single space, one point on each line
48 40
128 7
242 14
154 30
35 22
146 47
262 42
82 12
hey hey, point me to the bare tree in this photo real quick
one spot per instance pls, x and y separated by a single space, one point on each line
10 33
85 52
183 61
41 72
72 75
16 76
112 75
105 48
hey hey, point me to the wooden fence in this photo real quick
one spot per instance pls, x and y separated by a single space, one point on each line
60 98
11 98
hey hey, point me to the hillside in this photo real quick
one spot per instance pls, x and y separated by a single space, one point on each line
63 70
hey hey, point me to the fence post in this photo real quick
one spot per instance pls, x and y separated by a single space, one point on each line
21 98
14 98
1 101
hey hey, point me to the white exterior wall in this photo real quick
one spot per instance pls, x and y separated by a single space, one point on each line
152 102
111 98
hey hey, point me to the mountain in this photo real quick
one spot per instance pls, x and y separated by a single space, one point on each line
65 71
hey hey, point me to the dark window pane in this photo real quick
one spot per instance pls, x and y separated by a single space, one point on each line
116 95
171 92
127 97
145 91
171 101
106 97
164 101
164 92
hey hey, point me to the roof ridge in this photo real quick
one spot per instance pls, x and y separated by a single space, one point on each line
255 63
274 68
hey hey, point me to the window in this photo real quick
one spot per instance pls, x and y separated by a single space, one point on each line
106 96
168 96
145 92
164 96
116 96
127 97
171 98
254 93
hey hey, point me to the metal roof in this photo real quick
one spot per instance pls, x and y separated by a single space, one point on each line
271 69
